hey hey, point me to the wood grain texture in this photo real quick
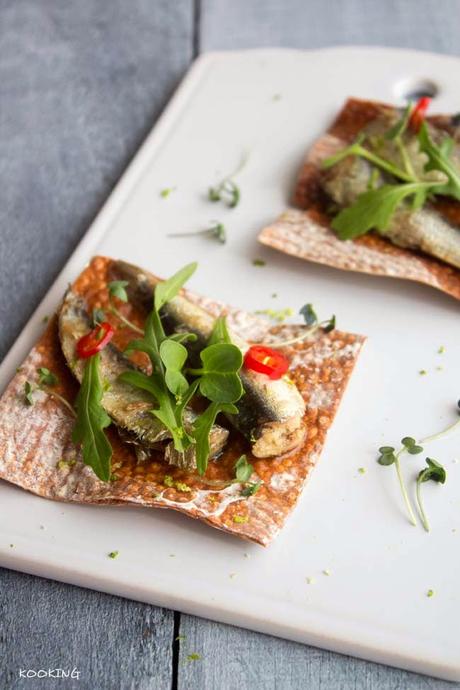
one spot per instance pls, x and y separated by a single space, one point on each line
232 658
112 642
78 98
423 25
80 86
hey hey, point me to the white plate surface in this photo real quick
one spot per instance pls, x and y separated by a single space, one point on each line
374 604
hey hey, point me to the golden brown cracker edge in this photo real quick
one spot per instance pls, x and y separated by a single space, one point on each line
307 234
37 453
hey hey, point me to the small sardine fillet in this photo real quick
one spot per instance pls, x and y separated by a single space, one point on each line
270 413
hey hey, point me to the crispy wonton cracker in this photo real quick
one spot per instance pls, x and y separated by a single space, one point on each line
307 234
37 453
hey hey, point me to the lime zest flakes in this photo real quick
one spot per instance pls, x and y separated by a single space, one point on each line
113 554
430 593
241 519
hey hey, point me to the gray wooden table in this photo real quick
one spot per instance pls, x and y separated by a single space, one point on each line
81 83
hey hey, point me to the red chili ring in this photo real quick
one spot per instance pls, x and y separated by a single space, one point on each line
418 113
264 360
94 341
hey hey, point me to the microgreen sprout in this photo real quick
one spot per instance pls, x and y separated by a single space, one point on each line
434 472
46 381
313 325
227 190
215 230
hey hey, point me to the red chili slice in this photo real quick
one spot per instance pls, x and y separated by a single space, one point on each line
418 113
266 361
94 341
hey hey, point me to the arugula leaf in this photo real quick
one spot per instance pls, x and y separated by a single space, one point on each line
47 377
117 288
91 421
439 159
400 127
243 469
202 428
219 380
220 332
174 355
374 209
168 289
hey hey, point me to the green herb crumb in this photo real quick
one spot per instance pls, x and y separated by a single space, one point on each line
423 372
63 464
441 350
193 657
362 470
430 593
259 262
279 315
241 519
168 480
114 554
327 572
310 580
167 191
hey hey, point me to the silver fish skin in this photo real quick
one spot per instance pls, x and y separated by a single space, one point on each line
425 229
270 413
129 407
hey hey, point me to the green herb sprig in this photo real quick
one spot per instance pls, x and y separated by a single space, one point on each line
434 472
314 325
375 208
217 379
389 456
227 190
46 381
216 230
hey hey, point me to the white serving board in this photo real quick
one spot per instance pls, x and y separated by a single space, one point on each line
374 604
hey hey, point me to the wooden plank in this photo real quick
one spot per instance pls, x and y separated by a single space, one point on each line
424 25
233 659
110 641
80 85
